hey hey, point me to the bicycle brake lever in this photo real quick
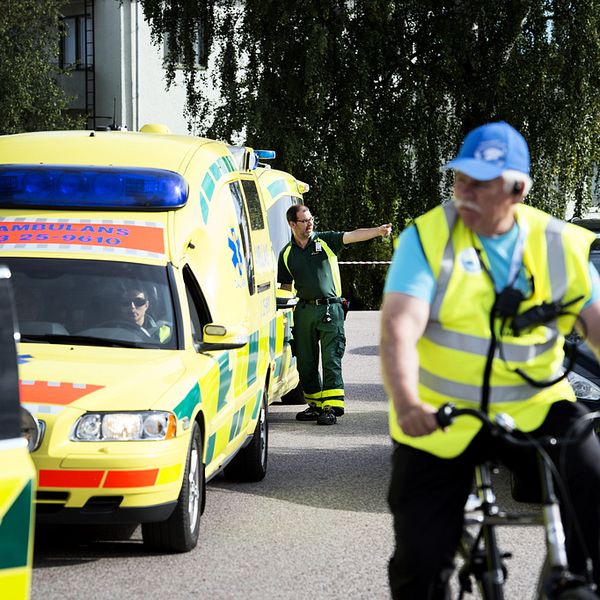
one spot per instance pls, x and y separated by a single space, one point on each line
445 415
505 422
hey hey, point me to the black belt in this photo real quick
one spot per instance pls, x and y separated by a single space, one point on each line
322 301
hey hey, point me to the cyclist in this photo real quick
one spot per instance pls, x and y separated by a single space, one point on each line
478 299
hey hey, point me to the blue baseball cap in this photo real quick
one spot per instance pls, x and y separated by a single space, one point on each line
491 149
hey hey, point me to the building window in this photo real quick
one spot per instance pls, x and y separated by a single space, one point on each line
200 50
77 43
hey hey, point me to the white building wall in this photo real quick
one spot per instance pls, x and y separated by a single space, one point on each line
130 84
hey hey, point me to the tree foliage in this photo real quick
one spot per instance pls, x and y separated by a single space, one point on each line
30 98
366 99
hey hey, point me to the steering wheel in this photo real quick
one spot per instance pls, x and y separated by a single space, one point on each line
122 324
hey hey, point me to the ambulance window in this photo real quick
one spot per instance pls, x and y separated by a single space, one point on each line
279 229
199 313
242 219
254 208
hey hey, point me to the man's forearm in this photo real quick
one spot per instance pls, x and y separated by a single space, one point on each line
400 365
403 322
368 233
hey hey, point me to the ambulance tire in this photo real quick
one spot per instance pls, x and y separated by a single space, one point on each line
295 396
250 463
180 532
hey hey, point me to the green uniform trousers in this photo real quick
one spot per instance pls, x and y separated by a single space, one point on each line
311 331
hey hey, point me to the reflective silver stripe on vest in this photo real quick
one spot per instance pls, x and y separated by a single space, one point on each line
333 266
556 258
472 393
447 263
480 346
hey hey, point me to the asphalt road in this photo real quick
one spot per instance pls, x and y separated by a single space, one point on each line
317 527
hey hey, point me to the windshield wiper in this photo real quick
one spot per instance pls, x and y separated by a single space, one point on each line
83 340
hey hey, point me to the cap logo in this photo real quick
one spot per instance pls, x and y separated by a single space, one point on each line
492 151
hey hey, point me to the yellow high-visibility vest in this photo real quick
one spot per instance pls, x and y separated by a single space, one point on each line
453 350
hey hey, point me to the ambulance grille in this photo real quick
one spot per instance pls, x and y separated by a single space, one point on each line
52 497
99 504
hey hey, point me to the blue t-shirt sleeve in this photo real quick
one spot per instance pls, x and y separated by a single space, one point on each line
595 286
410 272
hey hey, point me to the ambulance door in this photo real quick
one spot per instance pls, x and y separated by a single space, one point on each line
264 302
17 474
248 380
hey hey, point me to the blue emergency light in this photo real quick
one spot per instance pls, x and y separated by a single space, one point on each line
265 154
82 187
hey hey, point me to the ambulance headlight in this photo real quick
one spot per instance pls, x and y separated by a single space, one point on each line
147 425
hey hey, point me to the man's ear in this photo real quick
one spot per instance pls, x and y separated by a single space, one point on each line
517 188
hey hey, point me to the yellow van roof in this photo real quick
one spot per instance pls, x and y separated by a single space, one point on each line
113 148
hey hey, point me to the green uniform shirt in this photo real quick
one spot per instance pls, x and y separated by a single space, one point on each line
311 270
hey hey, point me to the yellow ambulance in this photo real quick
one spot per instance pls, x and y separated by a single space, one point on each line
17 474
151 344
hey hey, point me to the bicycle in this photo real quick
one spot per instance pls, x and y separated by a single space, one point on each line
483 559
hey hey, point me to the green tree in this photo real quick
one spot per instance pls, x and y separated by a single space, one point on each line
366 99
30 98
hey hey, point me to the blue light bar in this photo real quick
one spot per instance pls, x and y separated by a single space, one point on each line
81 187
265 154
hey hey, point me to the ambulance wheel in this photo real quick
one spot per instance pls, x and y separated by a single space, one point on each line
295 396
250 463
180 532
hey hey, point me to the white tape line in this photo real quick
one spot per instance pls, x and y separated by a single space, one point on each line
365 262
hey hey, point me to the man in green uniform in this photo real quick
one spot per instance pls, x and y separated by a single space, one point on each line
309 262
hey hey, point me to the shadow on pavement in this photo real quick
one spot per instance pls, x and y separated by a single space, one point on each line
365 350
341 467
71 545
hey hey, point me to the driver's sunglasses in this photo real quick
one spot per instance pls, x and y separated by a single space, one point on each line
304 221
137 301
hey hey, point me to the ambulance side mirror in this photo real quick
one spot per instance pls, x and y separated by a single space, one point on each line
285 299
222 337
283 303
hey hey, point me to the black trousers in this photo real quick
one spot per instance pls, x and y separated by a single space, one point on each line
427 496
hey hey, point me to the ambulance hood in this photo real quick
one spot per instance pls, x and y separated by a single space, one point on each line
99 379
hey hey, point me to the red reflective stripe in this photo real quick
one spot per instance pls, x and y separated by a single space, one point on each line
70 479
40 392
123 479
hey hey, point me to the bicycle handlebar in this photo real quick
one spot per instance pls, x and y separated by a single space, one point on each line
504 426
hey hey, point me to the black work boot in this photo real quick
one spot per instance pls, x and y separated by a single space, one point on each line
309 414
327 416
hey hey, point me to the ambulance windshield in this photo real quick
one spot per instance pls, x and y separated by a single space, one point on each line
93 302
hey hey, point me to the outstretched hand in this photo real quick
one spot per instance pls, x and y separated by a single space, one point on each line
385 230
